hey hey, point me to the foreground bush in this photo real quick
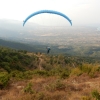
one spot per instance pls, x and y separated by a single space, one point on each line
4 79
96 94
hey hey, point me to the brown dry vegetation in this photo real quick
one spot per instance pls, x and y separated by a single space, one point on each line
52 88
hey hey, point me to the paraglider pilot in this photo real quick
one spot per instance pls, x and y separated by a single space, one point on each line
48 50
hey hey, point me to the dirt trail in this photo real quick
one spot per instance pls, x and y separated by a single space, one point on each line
40 61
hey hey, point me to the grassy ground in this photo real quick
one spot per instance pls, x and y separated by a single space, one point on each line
47 77
80 87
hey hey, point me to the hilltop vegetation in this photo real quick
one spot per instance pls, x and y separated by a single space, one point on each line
36 76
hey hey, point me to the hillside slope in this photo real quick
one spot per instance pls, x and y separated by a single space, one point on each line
37 76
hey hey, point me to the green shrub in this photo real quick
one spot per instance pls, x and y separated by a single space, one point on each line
4 79
7 68
98 69
57 70
41 72
57 85
28 74
18 75
76 71
86 68
93 71
64 74
86 98
28 88
96 94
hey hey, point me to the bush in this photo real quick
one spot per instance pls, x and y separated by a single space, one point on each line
98 69
64 74
57 85
86 98
86 68
28 88
4 79
96 94
18 75
41 72
76 71
93 71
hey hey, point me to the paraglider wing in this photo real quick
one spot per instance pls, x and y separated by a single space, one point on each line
46 11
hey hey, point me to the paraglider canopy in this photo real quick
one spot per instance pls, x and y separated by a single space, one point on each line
47 11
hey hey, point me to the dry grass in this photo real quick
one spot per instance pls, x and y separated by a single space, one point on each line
52 88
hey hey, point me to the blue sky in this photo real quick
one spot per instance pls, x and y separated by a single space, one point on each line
81 12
